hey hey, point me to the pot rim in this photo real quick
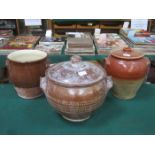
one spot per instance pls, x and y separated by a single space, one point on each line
27 62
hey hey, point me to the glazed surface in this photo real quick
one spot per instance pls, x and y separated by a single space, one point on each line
82 73
26 75
126 89
127 69
76 102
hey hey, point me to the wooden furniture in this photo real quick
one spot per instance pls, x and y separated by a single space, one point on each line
61 26
10 24
151 25
32 30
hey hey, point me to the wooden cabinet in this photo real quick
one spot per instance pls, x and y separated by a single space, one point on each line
34 30
152 25
61 26
10 24
111 26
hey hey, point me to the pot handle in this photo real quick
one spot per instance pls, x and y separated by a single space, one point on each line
107 62
8 70
7 63
148 62
48 64
109 83
43 83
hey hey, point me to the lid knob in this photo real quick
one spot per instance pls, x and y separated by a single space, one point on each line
75 59
127 49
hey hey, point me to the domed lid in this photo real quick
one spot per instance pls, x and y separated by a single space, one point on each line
128 53
76 72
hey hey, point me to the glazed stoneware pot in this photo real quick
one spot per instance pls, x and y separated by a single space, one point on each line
25 68
128 68
76 88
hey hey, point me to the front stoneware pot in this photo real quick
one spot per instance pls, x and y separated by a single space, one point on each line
128 68
76 88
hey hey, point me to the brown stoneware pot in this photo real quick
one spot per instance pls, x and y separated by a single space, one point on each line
25 69
128 68
76 88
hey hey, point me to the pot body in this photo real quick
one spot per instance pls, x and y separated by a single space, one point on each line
76 103
127 75
25 76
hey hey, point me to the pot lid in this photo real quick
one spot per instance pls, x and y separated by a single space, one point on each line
76 72
128 53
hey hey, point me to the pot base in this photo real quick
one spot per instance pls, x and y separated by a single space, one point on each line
29 93
76 120
124 97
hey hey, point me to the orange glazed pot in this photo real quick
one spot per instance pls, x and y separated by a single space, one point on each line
76 88
128 68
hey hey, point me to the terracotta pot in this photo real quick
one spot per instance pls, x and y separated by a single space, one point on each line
128 68
25 69
76 88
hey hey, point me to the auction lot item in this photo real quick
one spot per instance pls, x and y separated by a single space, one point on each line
25 69
76 88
